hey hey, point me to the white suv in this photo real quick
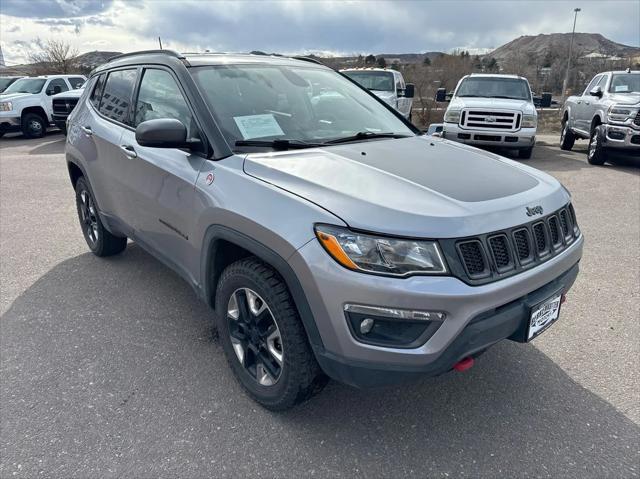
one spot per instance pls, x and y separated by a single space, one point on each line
492 110
26 105
386 84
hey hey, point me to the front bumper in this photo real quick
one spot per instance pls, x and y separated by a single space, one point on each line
622 137
522 138
476 316
9 121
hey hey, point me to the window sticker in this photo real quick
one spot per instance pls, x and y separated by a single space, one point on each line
621 88
258 126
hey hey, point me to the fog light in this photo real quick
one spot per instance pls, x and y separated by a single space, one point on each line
366 326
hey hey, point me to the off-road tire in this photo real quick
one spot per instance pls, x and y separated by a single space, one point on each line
567 137
597 154
301 376
525 153
33 126
104 244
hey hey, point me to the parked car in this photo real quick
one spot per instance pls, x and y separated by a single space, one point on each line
62 105
491 110
607 114
329 235
386 84
5 82
26 104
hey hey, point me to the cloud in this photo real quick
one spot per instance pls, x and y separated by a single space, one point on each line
54 8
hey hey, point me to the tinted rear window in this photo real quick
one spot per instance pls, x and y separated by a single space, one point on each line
96 94
116 97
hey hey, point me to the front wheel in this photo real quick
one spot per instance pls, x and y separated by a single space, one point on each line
99 240
597 155
33 126
263 337
525 153
567 137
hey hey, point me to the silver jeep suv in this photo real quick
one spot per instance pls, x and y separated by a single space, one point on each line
331 238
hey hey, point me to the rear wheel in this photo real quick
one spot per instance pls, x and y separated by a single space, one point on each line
567 137
100 241
33 126
263 337
597 155
525 153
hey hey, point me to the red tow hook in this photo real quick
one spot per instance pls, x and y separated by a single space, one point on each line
464 364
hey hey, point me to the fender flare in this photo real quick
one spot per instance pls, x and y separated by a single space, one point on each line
215 233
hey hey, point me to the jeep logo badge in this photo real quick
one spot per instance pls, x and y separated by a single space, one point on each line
534 210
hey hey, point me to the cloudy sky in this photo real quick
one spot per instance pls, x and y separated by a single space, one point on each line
330 27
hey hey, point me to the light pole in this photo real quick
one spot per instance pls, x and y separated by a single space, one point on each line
566 77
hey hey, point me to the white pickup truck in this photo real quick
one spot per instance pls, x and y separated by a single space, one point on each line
386 84
607 114
26 105
491 110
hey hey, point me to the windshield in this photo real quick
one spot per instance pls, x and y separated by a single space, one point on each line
295 103
491 87
5 82
625 83
379 81
26 85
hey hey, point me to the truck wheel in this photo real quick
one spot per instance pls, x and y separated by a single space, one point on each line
263 338
525 153
567 138
99 240
33 126
597 155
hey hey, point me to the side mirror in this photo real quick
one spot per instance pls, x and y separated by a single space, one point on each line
441 95
57 89
596 91
162 133
409 90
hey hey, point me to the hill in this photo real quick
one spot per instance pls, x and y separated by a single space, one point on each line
539 46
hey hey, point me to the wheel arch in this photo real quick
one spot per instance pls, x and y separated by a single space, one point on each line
38 110
594 123
223 246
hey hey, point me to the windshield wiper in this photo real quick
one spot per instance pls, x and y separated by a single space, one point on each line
365 135
506 97
470 96
279 144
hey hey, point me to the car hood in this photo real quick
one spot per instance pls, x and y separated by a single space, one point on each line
14 96
497 103
420 186
625 98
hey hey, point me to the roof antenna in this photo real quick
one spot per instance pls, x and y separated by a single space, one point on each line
160 42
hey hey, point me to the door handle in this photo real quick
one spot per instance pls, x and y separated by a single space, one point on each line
87 130
129 151
579 102
587 103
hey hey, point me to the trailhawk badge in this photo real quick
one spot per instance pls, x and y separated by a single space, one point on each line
534 210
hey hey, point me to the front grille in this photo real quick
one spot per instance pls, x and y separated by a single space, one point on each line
473 258
636 120
635 139
62 106
499 254
494 120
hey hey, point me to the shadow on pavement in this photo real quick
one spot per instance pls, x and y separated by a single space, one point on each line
112 366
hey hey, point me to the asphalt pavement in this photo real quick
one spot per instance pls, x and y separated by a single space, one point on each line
112 367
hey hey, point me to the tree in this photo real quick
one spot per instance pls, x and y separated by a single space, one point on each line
426 61
381 62
57 56
370 60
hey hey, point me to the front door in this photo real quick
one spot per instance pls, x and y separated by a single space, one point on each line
164 178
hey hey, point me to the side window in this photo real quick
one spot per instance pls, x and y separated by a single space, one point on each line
57 86
399 82
160 97
96 94
591 85
117 93
602 82
76 82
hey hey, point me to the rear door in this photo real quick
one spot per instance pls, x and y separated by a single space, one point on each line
164 178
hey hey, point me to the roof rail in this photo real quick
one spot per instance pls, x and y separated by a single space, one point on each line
308 59
171 53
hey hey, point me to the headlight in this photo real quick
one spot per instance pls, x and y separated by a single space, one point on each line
452 116
6 106
381 255
529 121
618 113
